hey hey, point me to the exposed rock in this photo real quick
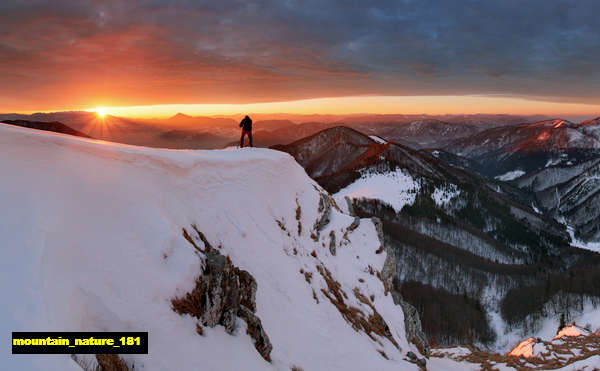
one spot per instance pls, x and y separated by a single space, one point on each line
412 326
256 331
334 204
388 271
350 205
421 362
207 244
412 322
379 229
332 242
101 362
222 293
372 324
324 210
111 362
248 288
355 224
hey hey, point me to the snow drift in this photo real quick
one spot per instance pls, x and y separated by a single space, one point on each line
92 241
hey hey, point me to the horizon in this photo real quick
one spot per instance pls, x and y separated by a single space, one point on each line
352 106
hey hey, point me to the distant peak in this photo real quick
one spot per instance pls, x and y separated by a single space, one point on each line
595 121
180 115
344 133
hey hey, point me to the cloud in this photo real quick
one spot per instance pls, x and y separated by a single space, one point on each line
63 54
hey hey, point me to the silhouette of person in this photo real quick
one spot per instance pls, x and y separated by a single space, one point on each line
246 126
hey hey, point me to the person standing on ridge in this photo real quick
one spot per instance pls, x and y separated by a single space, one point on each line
246 126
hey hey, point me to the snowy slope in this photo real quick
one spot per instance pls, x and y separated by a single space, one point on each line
92 241
397 188
511 175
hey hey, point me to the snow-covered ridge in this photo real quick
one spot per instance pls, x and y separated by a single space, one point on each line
92 241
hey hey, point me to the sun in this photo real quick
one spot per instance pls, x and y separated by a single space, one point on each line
101 112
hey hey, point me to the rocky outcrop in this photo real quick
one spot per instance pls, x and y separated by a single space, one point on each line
111 362
332 249
355 223
388 271
412 322
412 326
421 362
325 203
350 206
101 362
256 332
223 293
371 324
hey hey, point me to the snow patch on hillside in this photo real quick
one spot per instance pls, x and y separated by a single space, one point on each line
443 195
585 364
525 349
535 208
592 246
563 157
571 331
511 175
378 139
396 188
589 317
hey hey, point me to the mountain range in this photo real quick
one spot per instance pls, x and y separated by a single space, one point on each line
201 132
476 242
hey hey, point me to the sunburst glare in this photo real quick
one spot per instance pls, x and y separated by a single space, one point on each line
101 112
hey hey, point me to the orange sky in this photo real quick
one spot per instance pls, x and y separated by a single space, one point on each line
368 104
